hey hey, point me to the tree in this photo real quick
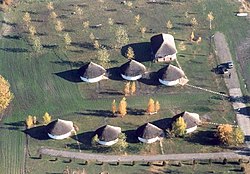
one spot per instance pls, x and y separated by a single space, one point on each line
110 21
123 107
126 88
27 18
157 106
132 88
29 121
194 22
192 36
179 127
137 19
79 11
85 24
130 53
46 118
95 140
129 4
37 46
50 6
121 145
32 30
92 36
53 15
151 106
59 26
182 46
34 120
238 136
169 25
225 134
210 17
113 107
96 44
5 95
103 57
121 37
143 31
67 39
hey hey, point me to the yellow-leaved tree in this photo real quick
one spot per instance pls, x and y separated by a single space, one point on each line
225 134
46 118
5 95
157 106
113 107
151 106
210 17
130 53
179 127
126 88
132 88
239 136
123 107
29 121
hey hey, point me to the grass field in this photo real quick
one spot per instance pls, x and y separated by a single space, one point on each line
40 81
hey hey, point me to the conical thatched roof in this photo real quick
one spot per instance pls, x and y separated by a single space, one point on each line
191 119
170 73
108 133
59 127
91 70
163 44
132 68
148 131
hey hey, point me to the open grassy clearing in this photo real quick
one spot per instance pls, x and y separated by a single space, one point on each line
38 88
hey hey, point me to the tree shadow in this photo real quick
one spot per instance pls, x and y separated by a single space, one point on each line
16 37
141 50
50 46
9 23
160 3
39 133
16 124
69 63
204 138
114 74
70 75
184 24
133 111
86 45
99 113
111 92
150 78
15 50
163 124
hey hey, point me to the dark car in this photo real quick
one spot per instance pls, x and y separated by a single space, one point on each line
227 65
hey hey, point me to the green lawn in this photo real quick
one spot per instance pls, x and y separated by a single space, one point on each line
39 80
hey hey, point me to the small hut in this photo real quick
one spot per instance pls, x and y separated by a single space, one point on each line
192 120
171 75
163 47
132 70
108 135
149 133
91 72
60 129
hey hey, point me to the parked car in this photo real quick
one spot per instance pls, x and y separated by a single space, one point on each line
227 65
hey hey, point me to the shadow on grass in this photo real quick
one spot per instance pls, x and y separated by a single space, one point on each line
15 50
204 138
151 78
142 51
86 45
69 63
133 111
16 124
111 92
99 113
70 75
50 46
38 133
16 37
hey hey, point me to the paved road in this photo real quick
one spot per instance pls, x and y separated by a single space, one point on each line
129 158
233 84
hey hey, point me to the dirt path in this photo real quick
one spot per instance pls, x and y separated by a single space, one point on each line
129 158
232 84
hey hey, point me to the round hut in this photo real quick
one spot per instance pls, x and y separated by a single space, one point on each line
132 70
149 133
108 135
192 120
171 75
91 72
60 129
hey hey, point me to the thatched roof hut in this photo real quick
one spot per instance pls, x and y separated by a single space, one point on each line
163 47
108 135
91 72
149 133
171 75
60 129
132 70
192 120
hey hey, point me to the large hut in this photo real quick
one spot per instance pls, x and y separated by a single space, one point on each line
192 120
108 135
163 47
92 72
171 75
132 70
60 129
149 133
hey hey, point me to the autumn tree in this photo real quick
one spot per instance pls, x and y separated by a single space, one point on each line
37 45
132 88
130 53
113 107
50 6
123 107
179 127
210 17
137 19
157 106
95 140
127 88
103 57
182 46
121 145
169 24
32 30
121 37
5 95
59 26
78 11
96 44
29 121
194 22
34 120
238 136
46 118
67 39
129 4
143 31
151 106
192 36
225 134
27 18
53 15
85 24
110 21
